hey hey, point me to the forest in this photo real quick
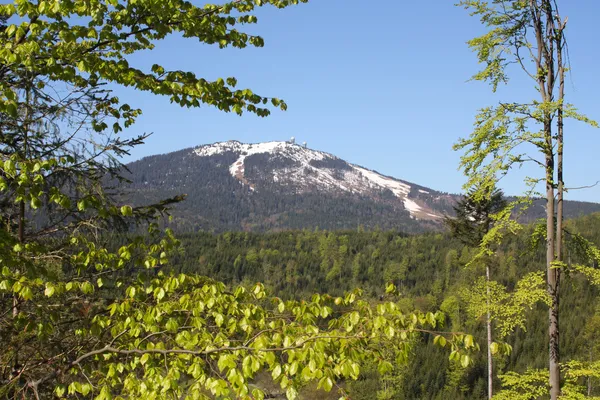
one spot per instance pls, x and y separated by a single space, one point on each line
431 271
101 298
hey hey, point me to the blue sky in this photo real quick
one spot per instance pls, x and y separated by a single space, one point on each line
383 84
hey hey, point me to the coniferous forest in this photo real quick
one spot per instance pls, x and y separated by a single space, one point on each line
431 272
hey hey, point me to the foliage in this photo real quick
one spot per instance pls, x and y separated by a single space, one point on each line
429 271
183 336
530 385
475 215
89 308
500 134
85 44
533 384
507 309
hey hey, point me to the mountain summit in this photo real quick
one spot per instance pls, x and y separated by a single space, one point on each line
303 170
283 185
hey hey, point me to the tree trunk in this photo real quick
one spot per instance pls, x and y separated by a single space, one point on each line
589 379
556 30
489 338
544 27
559 138
552 272
553 331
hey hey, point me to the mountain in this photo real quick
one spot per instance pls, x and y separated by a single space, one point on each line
284 185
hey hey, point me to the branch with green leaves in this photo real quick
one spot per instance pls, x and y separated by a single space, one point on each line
86 44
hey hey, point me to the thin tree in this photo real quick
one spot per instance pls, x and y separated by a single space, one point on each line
473 220
531 35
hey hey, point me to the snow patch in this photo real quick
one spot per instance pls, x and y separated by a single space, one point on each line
400 189
411 206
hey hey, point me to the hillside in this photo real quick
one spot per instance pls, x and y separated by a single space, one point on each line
232 186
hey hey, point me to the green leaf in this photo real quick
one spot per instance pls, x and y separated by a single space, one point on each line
85 389
494 348
36 203
293 368
65 202
465 360
440 340
60 391
326 383
50 289
82 205
127 211
11 109
87 288
390 288
291 393
276 372
130 291
26 293
468 341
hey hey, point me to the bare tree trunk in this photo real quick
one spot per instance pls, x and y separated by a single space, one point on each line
559 39
552 272
489 338
556 34
21 236
543 22
589 379
560 45
553 331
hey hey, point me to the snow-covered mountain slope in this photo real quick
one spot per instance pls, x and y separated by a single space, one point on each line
308 170
232 186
